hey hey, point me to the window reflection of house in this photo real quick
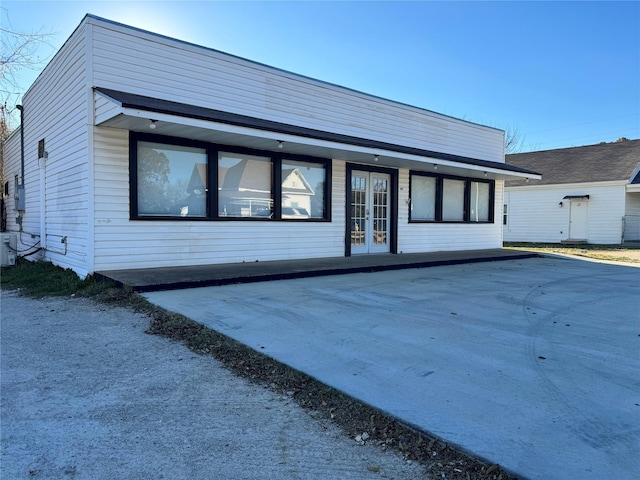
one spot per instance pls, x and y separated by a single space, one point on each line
244 188
196 192
296 194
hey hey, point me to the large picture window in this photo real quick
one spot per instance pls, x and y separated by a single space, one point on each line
244 186
423 198
479 202
453 200
303 190
440 198
171 178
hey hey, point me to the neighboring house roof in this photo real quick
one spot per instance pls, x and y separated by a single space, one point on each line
198 180
592 163
294 182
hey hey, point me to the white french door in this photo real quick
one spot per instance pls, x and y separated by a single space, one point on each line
370 212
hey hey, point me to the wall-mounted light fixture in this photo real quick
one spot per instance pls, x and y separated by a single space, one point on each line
376 158
280 144
526 179
152 125
560 204
486 174
435 167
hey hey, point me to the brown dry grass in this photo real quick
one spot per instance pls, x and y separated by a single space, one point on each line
611 253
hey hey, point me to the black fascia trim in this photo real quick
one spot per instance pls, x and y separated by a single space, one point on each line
156 105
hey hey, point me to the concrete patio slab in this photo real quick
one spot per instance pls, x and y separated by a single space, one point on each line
533 363
170 278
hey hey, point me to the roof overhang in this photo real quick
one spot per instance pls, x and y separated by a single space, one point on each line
135 113
576 197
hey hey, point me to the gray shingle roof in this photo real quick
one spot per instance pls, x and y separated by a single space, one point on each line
592 163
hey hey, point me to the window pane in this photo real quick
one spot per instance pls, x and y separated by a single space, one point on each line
423 198
479 202
303 189
453 200
172 180
244 186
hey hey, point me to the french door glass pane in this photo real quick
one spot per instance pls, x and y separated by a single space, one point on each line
380 192
358 210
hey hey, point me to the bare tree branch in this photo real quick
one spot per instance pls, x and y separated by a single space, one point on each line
513 139
19 51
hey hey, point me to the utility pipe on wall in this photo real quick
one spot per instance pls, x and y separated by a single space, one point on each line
20 193
21 108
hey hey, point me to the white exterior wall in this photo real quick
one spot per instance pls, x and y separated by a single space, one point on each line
632 205
55 109
84 183
122 243
534 214
219 81
137 62
632 217
439 237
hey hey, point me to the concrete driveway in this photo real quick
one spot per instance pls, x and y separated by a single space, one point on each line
533 364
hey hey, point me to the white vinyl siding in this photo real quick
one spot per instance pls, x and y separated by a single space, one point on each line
220 81
86 183
632 217
632 206
55 109
438 237
535 214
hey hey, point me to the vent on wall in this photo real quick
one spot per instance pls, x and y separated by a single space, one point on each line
41 151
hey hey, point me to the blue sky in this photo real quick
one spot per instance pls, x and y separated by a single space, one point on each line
562 73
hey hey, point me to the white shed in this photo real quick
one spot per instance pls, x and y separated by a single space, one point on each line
587 194
145 151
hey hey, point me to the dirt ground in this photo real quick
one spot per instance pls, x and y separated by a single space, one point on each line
87 394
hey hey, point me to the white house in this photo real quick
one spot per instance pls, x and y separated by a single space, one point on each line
587 194
144 151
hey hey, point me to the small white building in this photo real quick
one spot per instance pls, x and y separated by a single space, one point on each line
587 194
144 151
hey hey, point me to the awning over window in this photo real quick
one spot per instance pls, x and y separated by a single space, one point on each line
576 197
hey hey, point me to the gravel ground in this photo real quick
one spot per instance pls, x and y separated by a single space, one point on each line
87 394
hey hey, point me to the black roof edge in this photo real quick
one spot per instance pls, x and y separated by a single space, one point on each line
156 105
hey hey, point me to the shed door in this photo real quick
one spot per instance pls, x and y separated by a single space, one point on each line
578 216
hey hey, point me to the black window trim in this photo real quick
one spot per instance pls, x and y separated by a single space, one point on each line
467 198
213 150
